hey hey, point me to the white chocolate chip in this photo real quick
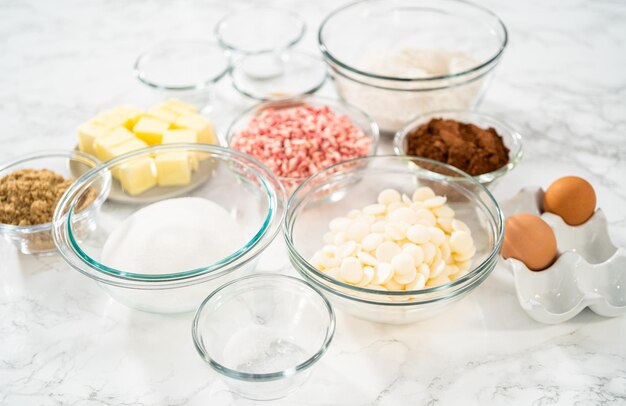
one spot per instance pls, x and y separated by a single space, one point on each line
465 257
357 230
403 264
445 253
395 231
346 249
415 251
445 224
340 237
458 225
451 270
334 273
393 286
418 283
424 270
386 251
422 194
435 202
353 214
375 209
404 279
437 236
388 196
330 262
461 242
426 218
371 241
368 276
418 234
366 258
429 252
351 270
406 199
403 215
441 280
444 211
437 269
384 273
391 207
378 227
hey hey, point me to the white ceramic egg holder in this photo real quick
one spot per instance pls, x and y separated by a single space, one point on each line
589 272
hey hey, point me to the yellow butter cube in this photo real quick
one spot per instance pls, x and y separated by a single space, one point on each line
180 135
179 105
88 133
162 114
173 168
110 119
128 146
202 125
104 146
130 113
150 129
138 175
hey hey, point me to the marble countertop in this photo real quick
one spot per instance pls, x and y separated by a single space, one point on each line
63 341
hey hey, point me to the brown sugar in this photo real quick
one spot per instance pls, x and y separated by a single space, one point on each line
29 196
468 147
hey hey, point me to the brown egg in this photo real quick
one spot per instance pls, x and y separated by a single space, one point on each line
529 239
572 198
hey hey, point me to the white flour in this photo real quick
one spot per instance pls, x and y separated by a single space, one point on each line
173 235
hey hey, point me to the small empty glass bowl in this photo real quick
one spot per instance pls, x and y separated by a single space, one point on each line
354 184
356 116
276 75
185 69
37 239
263 333
259 29
511 138
252 202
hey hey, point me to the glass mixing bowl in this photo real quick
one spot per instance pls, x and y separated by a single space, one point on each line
250 194
450 48
183 69
511 138
357 117
37 239
263 333
354 184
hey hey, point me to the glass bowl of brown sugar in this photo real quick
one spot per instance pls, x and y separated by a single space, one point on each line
31 187
480 145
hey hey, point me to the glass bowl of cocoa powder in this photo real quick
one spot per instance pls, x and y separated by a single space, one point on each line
480 145
30 189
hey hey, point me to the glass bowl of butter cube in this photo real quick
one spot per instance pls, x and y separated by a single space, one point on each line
125 128
167 254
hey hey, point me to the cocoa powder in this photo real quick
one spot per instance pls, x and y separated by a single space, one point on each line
468 147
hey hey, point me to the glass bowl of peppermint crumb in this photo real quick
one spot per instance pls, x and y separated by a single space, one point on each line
31 187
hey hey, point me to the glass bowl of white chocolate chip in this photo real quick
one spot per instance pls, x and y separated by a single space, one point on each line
388 239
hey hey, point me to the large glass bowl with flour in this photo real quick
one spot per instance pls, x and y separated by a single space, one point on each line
166 249
395 59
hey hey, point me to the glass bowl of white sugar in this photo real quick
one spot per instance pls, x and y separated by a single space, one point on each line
393 239
263 334
395 59
195 216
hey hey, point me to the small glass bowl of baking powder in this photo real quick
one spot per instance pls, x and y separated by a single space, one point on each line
511 139
37 239
263 334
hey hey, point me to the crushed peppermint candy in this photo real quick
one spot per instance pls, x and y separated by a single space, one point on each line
297 142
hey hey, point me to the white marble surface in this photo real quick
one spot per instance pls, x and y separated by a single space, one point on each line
64 341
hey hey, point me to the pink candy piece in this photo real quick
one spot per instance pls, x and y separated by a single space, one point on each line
297 142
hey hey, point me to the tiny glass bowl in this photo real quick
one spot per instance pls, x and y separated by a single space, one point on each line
276 75
184 69
263 333
249 192
259 29
356 116
37 239
354 184
511 138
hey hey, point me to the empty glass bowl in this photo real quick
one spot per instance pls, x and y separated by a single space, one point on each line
37 239
355 184
395 59
280 75
511 138
259 29
184 69
173 278
263 333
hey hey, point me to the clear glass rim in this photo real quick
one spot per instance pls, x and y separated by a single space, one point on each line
232 47
83 157
373 131
492 59
311 90
303 266
142 77
70 247
273 376
514 156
